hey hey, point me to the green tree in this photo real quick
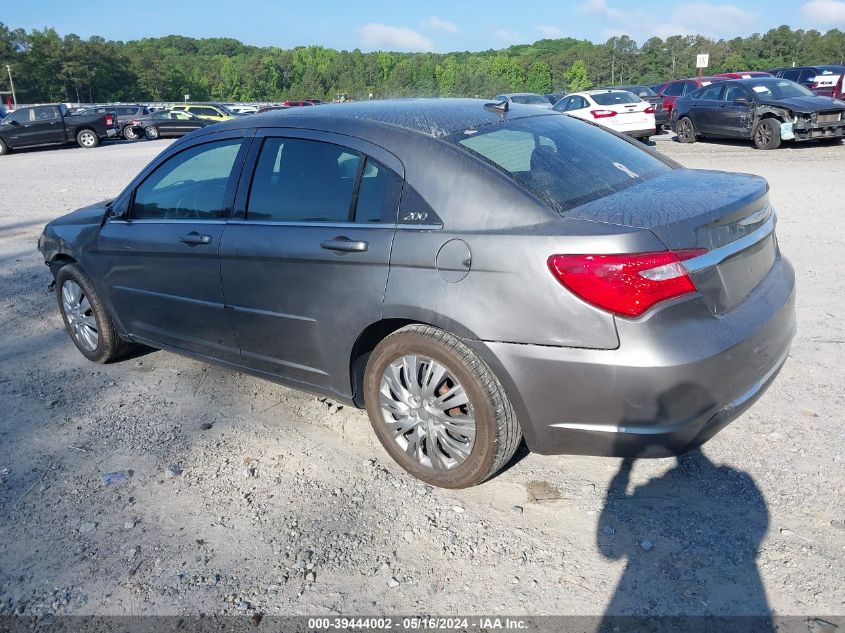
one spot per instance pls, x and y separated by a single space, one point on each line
576 77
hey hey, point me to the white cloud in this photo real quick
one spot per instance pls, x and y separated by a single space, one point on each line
713 20
439 24
394 38
600 7
550 31
825 11
507 36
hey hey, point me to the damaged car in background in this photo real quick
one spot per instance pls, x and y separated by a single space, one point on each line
765 111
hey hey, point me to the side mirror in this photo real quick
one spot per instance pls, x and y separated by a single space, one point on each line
741 101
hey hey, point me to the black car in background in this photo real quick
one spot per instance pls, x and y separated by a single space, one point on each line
125 115
168 123
554 97
54 125
822 80
764 110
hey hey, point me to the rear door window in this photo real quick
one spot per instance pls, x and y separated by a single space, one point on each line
711 92
563 161
298 180
378 194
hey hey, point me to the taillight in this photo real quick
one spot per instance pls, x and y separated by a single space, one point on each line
109 121
814 85
626 285
134 122
649 110
602 114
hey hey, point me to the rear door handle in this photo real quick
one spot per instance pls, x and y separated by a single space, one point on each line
195 238
343 244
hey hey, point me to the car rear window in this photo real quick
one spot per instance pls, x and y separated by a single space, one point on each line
530 99
614 98
563 161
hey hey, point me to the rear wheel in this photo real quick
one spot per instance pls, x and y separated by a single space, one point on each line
767 134
438 409
4 149
87 138
686 130
151 133
86 318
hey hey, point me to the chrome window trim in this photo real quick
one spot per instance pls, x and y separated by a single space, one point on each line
717 256
337 225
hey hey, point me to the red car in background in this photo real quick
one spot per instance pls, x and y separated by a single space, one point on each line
671 90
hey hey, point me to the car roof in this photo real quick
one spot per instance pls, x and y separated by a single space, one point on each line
437 118
601 90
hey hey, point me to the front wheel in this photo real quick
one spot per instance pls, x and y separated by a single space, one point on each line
767 134
151 133
438 409
87 139
686 130
129 133
86 318
4 149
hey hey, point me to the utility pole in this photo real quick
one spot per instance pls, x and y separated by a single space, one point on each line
12 84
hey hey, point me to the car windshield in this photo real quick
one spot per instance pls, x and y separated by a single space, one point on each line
616 97
530 99
780 89
563 161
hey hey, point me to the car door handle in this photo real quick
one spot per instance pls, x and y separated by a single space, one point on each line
195 238
343 244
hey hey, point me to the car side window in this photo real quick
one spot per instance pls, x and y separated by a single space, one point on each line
806 76
18 116
378 194
734 92
298 180
674 90
189 186
711 92
792 75
47 113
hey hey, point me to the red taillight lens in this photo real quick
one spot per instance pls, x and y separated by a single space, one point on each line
626 285
814 85
109 121
602 114
649 110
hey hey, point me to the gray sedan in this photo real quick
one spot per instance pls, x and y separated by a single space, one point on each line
470 275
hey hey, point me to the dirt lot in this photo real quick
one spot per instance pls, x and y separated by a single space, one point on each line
286 504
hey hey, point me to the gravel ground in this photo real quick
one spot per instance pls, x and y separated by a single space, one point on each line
244 496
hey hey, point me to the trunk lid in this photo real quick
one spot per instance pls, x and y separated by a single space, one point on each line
728 215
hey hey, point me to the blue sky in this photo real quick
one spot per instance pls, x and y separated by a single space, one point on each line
436 25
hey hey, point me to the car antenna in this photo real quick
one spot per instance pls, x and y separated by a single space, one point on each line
497 106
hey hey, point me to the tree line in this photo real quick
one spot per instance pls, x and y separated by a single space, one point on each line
50 68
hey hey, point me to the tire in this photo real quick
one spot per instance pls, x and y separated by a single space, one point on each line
686 130
4 149
766 134
151 133
87 138
458 457
129 133
87 315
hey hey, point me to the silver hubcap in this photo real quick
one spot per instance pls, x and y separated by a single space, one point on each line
80 317
86 138
129 133
427 412
152 132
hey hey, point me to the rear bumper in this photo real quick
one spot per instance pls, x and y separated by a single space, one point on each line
680 375
640 133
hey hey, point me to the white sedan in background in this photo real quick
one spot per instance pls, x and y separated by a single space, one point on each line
620 110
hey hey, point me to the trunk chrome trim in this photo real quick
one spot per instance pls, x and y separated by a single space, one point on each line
717 256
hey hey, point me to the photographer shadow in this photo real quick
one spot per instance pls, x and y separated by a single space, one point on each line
690 539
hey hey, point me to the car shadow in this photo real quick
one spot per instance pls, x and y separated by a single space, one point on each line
690 540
